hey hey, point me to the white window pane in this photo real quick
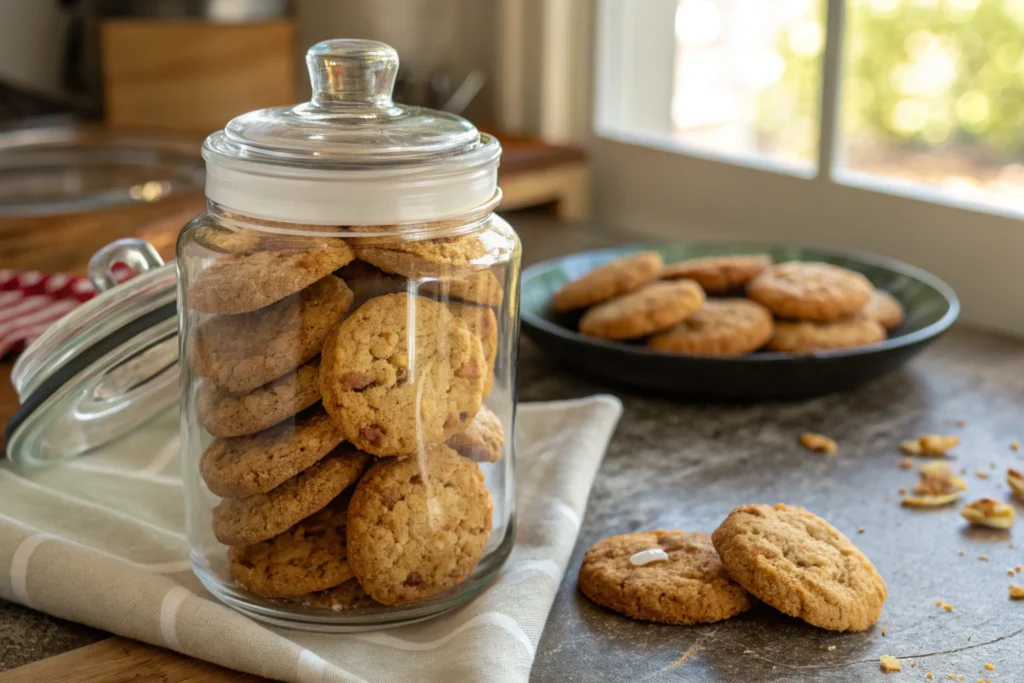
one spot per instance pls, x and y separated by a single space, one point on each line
733 78
933 95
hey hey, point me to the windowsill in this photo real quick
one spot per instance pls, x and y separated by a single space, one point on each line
667 144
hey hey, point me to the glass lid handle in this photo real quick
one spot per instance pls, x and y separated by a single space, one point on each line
139 255
352 72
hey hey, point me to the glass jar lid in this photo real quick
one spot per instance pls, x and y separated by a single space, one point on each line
351 155
105 368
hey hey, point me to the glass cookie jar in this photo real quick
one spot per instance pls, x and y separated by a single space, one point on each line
348 309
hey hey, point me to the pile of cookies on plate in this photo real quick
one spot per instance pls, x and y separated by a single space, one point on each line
327 459
785 556
730 305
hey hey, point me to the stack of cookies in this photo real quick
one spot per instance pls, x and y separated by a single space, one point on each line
787 557
730 305
342 383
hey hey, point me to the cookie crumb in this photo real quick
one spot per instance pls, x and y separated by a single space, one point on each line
913 664
885 629
1009 572
1018 569
906 464
831 648
938 603
990 666
890 664
1015 446
960 553
983 558
961 423
989 513
1017 592
818 443
903 490
948 607
860 530
930 445
928 676
1015 479
981 475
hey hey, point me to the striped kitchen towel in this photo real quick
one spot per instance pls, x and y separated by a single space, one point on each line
102 541
32 301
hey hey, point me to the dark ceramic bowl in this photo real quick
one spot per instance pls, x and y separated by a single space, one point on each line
931 307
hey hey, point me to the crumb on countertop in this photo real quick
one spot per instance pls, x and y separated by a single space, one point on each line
948 607
818 443
906 464
931 445
890 664
1017 592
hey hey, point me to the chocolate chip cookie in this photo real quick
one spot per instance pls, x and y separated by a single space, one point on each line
801 565
310 556
683 582
239 353
722 327
608 281
482 322
226 415
242 521
394 379
248 465
241 282
418 525
719 274
483 440
805 290
652 308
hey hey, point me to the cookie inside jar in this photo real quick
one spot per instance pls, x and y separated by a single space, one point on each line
348 311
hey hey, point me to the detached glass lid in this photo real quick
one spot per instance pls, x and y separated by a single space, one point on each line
56 169
103 369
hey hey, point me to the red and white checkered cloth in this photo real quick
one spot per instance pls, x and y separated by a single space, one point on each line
32 301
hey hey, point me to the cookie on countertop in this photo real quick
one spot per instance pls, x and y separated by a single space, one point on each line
225 414
687 585
418 525
801 565
384 404
652 308
722 327
483 440
310 556
884 309
248 465
719 274
806 336
806 290
482 322
239 353
608 281
243 281
344 596
243 521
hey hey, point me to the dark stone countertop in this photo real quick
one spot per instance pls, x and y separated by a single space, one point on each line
686 465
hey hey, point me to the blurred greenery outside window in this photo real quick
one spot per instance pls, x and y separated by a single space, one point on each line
932 91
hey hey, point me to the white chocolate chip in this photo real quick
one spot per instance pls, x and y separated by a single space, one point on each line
648 556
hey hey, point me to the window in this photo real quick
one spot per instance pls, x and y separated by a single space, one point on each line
931 91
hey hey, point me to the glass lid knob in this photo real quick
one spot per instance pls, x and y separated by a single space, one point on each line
352 72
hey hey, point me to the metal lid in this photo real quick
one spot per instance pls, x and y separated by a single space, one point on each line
354 136
103 369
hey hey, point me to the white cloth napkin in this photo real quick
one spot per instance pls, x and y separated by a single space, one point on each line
101 541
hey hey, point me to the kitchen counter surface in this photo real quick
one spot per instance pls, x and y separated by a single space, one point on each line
686 465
